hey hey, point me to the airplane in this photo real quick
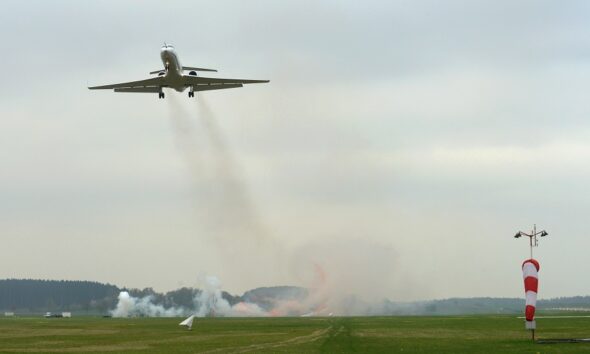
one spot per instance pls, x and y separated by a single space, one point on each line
173 76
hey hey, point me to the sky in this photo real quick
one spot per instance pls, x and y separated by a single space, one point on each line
395 152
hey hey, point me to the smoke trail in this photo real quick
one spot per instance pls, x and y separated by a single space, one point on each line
235 195
212 167
186 137
227 215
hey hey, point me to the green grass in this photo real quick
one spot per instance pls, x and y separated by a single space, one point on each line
458 334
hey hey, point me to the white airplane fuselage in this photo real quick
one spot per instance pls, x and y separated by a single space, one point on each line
173 70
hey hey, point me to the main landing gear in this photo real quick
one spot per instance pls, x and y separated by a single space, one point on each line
191 94
161 95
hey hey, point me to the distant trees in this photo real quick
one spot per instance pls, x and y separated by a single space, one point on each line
29 295
183 297
39 296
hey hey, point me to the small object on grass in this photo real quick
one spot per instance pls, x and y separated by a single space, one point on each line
188 322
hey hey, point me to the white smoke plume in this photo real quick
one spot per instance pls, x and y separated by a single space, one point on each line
211 303
129 306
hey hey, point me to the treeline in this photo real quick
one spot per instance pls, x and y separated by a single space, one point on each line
29 295
86 297
480 305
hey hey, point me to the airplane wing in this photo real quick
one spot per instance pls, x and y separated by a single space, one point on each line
200 83
200 80
197 82
150 89
197 69
155 82
215 87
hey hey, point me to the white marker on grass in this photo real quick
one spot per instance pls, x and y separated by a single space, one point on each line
188 322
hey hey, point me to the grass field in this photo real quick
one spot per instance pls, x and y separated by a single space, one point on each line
466 334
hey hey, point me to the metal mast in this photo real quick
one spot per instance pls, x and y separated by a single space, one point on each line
533 240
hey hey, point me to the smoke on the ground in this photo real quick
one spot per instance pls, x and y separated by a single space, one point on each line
129 306
207 302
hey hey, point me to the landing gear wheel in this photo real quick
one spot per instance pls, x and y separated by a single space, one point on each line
161 95
191 94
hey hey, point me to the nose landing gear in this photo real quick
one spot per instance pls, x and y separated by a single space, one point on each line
191 92
161 95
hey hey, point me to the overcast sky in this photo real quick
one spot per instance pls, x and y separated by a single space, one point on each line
399 145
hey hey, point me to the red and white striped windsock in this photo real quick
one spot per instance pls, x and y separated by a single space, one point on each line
530 269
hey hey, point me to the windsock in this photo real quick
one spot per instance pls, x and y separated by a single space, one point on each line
530 269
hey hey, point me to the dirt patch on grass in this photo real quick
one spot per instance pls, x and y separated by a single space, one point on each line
314 336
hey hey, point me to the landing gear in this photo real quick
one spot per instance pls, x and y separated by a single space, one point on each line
161 95
191 94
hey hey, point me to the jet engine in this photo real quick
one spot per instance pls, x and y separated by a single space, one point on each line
192 73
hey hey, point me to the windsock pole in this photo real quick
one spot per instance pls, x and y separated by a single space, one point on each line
530 269
531 247
536 243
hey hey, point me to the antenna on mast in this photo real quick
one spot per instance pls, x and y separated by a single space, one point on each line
533 241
